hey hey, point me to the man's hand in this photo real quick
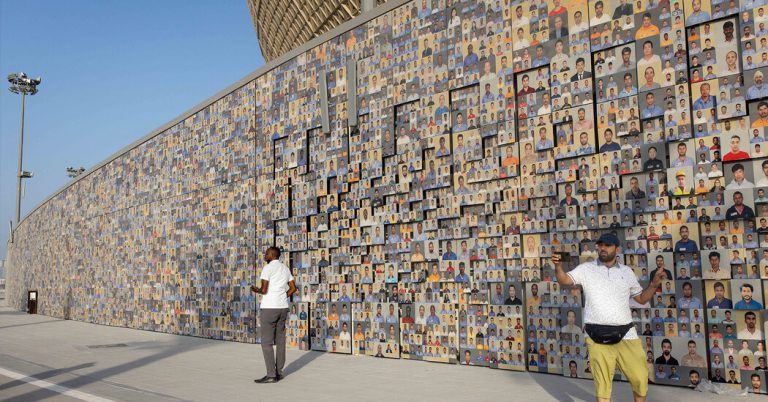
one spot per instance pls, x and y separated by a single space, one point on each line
291 289
262 290
648 293
562 278
556 258
658 277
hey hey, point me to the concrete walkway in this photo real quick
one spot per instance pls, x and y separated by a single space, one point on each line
94 363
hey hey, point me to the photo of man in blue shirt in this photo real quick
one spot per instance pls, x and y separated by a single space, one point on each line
719 301
705 101
651 109
698 15
759 89
449 255
747 301
685 244
432 319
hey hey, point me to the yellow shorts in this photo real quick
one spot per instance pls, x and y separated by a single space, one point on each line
630 357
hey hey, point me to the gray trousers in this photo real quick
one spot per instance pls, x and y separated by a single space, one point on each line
273 333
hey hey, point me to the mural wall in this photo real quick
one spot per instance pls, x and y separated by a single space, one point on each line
490 134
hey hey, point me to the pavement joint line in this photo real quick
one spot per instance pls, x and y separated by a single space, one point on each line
53 387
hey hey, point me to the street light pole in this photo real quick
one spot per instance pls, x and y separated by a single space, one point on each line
21 84
21 155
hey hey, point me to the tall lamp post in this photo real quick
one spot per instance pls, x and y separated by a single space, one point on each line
21 84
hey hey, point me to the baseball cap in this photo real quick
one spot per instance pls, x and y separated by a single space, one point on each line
608 238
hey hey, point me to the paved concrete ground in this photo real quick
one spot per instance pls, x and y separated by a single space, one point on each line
149 366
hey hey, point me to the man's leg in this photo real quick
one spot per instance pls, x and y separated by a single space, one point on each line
631 360
268 321
280 341
602 360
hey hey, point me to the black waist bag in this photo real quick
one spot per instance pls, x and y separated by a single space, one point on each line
607 334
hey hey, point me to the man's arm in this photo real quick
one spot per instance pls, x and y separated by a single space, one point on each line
291 288
648 293
562 277
262 289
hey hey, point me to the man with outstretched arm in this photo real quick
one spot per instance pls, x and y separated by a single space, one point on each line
612 338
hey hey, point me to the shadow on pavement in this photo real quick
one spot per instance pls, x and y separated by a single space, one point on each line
181 345
9 311
560 390
30 323
45 374
302 361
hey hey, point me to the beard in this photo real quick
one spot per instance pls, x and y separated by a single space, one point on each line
607 257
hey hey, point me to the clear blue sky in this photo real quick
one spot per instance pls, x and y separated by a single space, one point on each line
112 72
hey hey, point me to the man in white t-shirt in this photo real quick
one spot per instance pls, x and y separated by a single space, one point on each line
600 17
608 286
751 331
277 285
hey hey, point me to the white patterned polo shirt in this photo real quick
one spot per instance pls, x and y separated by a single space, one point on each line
607 292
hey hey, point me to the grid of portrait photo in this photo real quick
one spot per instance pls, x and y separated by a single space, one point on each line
419 208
